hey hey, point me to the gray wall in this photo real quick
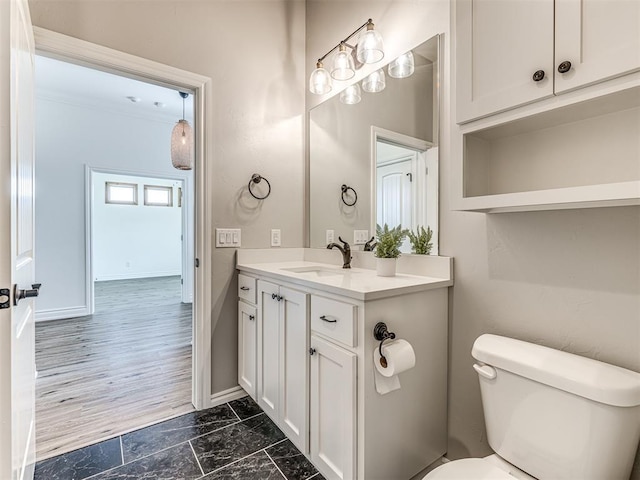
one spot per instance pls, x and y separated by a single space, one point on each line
254 52
566 279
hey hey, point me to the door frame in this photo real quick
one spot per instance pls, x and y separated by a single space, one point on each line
186 226
73 50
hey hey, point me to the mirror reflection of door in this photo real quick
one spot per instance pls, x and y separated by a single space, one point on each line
397 187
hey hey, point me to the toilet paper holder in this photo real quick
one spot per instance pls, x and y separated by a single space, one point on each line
382 333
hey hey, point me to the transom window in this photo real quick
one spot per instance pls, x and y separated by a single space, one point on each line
159 196
121 193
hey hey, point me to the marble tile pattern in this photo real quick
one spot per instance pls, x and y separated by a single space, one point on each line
233 441
126 366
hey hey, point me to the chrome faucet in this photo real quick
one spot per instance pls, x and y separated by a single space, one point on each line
345 249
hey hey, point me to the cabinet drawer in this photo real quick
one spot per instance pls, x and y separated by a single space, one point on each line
247 288
334 319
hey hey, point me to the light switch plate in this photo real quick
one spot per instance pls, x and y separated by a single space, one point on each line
275 237
360 237
228 237
330 236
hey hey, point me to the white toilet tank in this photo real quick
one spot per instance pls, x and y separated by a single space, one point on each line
556 415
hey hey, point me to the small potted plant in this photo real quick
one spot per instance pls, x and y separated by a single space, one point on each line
421 240
388 249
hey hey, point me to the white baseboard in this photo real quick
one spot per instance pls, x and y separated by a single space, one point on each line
58 313
128 276
227 395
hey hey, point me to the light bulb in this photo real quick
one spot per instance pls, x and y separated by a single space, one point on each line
370 46
320 80
343 68
403 66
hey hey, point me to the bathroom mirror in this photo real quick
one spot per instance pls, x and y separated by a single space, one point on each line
382 153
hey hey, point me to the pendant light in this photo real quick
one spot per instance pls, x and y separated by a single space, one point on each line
343 66
375 82
320 80
182 142
370 48
403 66
351 95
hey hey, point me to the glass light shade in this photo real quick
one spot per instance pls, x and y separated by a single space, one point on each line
320 80
375 82
351 95
343 67
370 48
402 67
182 146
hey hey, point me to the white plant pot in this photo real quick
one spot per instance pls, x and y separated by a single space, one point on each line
386 267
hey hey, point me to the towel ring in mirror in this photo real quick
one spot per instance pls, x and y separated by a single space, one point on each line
345 189
255 178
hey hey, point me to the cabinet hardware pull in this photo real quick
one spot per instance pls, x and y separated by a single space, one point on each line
312 351
564 67
246 289
274 296
252 317
538 76
325 319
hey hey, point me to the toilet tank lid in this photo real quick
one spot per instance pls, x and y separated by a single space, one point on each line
582 376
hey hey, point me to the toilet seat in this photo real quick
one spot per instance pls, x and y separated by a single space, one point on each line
468 469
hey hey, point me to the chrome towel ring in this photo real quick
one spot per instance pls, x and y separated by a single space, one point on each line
345 189
255 178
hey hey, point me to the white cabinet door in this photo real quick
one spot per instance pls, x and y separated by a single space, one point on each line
294 358
500 44
268 348
333 410
247 332
600 38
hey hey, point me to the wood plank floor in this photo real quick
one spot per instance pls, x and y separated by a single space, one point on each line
125 367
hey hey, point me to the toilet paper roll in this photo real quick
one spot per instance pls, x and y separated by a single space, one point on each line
399 355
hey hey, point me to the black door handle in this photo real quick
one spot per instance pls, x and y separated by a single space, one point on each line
19 294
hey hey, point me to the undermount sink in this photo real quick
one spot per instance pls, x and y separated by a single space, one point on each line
317 270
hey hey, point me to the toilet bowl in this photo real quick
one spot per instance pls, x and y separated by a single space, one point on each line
488 468
551 414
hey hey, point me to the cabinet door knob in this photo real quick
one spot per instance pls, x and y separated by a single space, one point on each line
252 317
564 67
274 296
538 75
312 351
325 319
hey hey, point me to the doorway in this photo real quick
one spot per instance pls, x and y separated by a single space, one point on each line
198 372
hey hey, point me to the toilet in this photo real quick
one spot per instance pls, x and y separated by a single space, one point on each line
551 415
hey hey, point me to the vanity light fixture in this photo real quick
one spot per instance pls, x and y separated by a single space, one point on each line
351 95
182 142
375 82
369 49
403 66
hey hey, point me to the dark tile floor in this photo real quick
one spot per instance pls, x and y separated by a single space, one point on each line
235 440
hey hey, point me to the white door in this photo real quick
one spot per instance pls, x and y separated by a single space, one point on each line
17 332
333 410
500 44
247 324
600 38
268 348
396 195
294 357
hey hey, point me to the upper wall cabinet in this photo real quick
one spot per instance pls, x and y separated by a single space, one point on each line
509 53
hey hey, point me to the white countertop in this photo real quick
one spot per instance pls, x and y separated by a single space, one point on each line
357 283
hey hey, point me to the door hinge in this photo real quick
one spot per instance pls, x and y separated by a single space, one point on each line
5 297
181 281
197 262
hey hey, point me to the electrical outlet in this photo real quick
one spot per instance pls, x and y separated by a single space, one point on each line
330 238
360 237
275 237
228 237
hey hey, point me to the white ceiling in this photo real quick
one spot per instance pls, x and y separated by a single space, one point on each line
62 81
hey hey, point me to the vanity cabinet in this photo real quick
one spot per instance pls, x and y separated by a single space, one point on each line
283 359
515 52
315 364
